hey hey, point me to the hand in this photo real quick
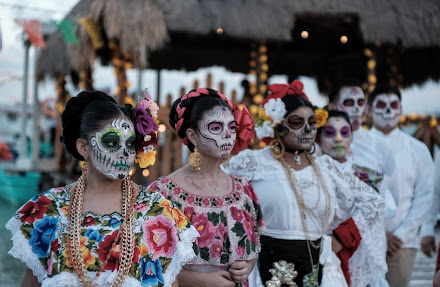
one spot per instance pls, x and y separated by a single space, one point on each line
219 278
241 269
394 244
437 279
336 245
428 245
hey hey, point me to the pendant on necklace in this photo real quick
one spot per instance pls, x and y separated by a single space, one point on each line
297 158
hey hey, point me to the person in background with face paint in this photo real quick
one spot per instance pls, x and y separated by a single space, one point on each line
223 208
412 184
371 154
335 138
302 198
103 229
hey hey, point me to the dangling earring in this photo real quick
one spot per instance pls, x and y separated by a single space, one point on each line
297 158
195 160
312 149
225 162
277 148
84 169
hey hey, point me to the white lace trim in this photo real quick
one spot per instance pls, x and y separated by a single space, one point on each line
182 256
23 251
357 200
255 165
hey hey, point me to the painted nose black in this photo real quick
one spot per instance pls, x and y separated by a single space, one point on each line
125 152
388 110
307 129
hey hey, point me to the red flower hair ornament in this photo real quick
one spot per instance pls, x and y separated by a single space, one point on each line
245 132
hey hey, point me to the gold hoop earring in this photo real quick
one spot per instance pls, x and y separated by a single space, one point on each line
312 149
195 160
277 148
225 162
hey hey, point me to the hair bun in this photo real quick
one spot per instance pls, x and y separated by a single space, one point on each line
72 114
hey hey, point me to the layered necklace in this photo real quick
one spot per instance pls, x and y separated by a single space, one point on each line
303 207
125 235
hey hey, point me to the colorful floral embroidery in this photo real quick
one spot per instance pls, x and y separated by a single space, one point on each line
44 224
229 226
369 176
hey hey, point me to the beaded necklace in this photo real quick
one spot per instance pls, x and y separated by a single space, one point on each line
302 206
125 235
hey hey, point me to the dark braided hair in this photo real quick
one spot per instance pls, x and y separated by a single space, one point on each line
84 115
195 109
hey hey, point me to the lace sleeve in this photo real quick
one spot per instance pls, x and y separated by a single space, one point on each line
33 227
254 165
359 201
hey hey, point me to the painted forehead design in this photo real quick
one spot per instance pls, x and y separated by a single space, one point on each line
352 91
219 113
390 97
123 125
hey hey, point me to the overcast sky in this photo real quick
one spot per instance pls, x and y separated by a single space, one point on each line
416 99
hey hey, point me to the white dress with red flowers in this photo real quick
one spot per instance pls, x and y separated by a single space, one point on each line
229 226
163 237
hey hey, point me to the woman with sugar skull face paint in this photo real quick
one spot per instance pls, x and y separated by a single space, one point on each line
335 138
223 208
103 230
302 198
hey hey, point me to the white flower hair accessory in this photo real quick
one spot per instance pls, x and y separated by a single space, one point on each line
273 110
271 115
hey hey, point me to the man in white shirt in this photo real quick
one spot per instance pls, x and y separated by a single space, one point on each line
412 183
427 230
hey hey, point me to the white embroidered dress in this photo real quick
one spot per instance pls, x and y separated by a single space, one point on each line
163 238
350 197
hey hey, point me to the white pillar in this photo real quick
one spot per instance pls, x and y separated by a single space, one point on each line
22 161
35 119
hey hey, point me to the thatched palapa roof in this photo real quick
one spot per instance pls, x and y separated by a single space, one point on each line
61 58
181 34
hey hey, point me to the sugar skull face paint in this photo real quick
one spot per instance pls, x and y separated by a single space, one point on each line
336 137
217 132
386 110
113 149
301 127
352 101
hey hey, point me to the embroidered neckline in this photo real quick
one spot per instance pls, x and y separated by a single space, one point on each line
97 214
204 200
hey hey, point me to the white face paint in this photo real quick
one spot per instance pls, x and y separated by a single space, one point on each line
386 110
113 149
217 132
336 137
352 101
301 126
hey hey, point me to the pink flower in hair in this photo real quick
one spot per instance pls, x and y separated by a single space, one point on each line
154 108
144 104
